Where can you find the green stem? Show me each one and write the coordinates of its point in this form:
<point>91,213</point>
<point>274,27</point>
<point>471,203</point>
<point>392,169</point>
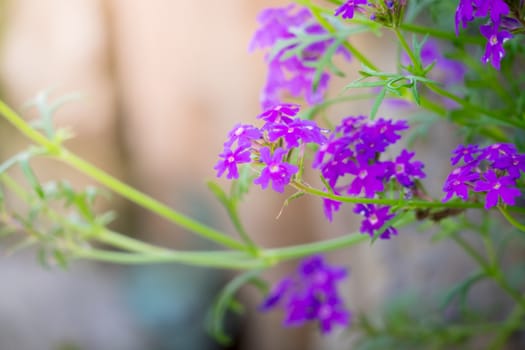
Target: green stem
<point>513,322</point>
<point>439,34</point>
<point>469,106</point>
<point>511,219</point>
<point>405,46</point>
<point>402,203</point>
<point>207,259</point>
<point>473,253</point>
<point>57,151</point>
<point>494,271</point>
<point>302,250</point>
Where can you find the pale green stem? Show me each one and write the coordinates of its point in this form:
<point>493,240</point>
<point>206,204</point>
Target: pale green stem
<point>401,203</point>
<point>511,219</point>
<point>57,151</point>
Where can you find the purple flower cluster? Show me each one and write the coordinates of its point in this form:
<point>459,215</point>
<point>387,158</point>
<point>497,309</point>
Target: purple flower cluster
<point>269,145</point>
<point>498,12</point>
<point>293,74</point>
<point>492,170</point>
<point>348,159</point>
<point>311,295</point>
<point>353,150</point>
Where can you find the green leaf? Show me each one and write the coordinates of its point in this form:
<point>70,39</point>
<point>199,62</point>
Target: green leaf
<point>30,176</point>
<point>461,289</point>
<point>226,301</point>
<point>377,103</point>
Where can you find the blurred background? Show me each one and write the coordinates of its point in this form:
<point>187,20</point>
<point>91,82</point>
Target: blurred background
<point>162,82</point>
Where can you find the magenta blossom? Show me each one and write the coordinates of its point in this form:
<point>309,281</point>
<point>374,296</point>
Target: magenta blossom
<point>278,172</point>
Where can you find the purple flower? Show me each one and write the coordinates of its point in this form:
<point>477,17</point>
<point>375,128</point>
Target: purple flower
<point>494,50</point>
<point>494,8</point>
<point>292,74</point>
<point>348,8</point>
<point>311,294</point>
<point>277,171</point>
<point>230,160</point>
<point>467,153</point>
<point>330,312</point>
<point>305,130</point>
<point>243,134</point>
<point>351,125</point>
<point>405,171</point>
<point>467,10</point>
<point>368,178</point>
<point>329,206</point>
<point>375,219</point>
<point>459,182</point>
<point>275,24</point>
<point>330,147</point>
<point>513,164</point>
<point>497,187</point>
<point>337,166</point>
<point>464,14</point>
<point>280,114</point>
<point>497,151</point>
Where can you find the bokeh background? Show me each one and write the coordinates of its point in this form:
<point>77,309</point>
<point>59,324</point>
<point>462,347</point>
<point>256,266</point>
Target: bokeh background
<point>161,83</point>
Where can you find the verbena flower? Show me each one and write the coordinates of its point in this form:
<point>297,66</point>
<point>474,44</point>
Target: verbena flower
<point>503,187</point>
<point>310,294</point>
<point>292,74</point>
<point>405,170</point>
<point>244,134</point>
<point>459,182</point>
<point>368,179</point>
<point>306,131</point>
<point>355,148</point>
<point>494,50</point>
<point>466,153</point>
<point>375,218</point>
<point>231,160</point>
<point>278,172</point>
<point>513,164</point>
<point>283,113</point>
<point>348,9</point>
<point>496,34</point>
<point>492,170</point>
<point>331,205</point>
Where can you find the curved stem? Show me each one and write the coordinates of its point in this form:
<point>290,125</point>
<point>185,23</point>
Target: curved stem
<point>511,219</point>
<point>147,202</point>
<point>402,203</point>
<point>57,151</point>
<point>207,259</point>
<point>467,105</point>
<point>302,250</point>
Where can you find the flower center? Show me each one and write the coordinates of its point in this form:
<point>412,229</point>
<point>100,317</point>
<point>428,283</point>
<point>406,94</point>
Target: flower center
<point>497,186</point>
<point>291,130</point>
<point>400,168</point>
<point>373,219</point>
<point>274,168</point>
<point>239,131</point>
<point>493,40</point>
<point>362,174</point>
<point>231,159</point>
<point>325,311</point>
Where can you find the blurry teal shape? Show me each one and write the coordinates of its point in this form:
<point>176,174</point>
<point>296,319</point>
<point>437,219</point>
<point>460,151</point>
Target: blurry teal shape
<point>171,302</point>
